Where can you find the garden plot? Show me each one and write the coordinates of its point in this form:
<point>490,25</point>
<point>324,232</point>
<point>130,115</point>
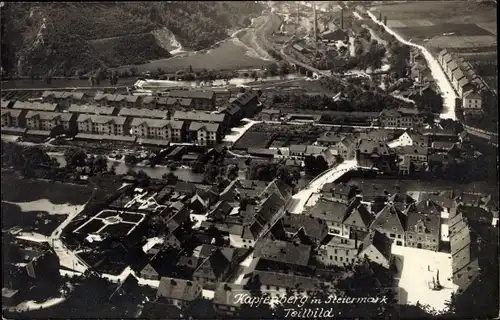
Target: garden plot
<point>462,41</point>
<point>115,222</point>
<point>445,29</point>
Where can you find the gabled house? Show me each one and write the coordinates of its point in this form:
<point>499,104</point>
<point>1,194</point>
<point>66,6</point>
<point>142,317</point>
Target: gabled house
<point>13,118</point>
<point>178,292</point>
<point>149,273</point>
<point>36,106</point>
<point>377,247</point>
<point>417,72</point>
<point>205,134</point>
<point>409,138</point>
<point>270,114</point>
<point>391,222</point>
<point>46,121</point>
<point>277,283</point>
<point>334,213</point>
<point>101,124</point>
<point>339,251</point>
<point>201,99</point>
<point>158,129</point>
<point>401,118</point>
<point>281,254</point>
<point>306,229</point>
<point>358,217</point>
<point>65,99</point>
<point>213,268</point>
<point>92,109</point>
<point>472,102</point>
<point>247,102</point>
<point>339,192</point>
<point>143,113</point>
<point>226,299</point>
<point>423,226</point>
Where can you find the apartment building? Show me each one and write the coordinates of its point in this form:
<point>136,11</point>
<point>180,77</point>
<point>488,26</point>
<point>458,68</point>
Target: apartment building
<point>157,129</point>
<point>46,121</point>
<point>401,118</point>
<point>38,106</point>
<point>64,98</point>
<point>205,134</point>
<point>143,113</point>
<point>108,125</point>
<point>472,102</point>
<point>12,118</point>
<point>117,100</point>
<point>199,99</point>
<point>93,109</point>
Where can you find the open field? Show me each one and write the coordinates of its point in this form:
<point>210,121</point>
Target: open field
<point>462,42</point>
<point>447,24</point>
<point>229,55</point>
<point>439,10</point>
<point>16,189</point>
<point>435,30</point>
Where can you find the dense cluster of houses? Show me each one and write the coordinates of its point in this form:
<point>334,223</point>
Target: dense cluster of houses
<point>404,152</point>
<point>183,117</point>
<point>464,80</point>
<point>25,265</point>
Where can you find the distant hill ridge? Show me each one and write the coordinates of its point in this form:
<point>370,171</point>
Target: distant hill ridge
<point>65,37</point>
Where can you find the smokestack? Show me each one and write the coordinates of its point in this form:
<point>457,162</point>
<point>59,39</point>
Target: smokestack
<point>298,17</point>
<point>315,24</point>
<point>342,18</point>
<point>385,20</point>
<point>380,16</point>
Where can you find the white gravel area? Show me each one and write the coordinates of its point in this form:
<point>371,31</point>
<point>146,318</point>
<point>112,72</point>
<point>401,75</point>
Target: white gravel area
<point>419,267</point>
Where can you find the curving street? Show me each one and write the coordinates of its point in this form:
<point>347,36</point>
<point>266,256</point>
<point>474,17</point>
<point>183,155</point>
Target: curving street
<point>300,199</point>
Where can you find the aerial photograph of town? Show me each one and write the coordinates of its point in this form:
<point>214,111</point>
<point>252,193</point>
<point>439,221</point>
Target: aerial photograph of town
<point>249,160</point>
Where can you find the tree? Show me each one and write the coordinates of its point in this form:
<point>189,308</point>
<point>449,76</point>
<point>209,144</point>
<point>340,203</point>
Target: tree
<point>315,165</point>
<point>75,157</point>
<point>130,159</point>
<point>232,171</point>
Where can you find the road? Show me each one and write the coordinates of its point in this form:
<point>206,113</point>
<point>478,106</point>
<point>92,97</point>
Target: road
<point>67,258</point>
<point>337,125</point>
<point>442,81</point>
<point>300,199</point>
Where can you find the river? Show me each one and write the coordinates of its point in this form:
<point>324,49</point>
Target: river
<point>156,172</point>
<point>145,84</point>
<point>444,85</point>
<point>61,83</point>
<point>156,84</point>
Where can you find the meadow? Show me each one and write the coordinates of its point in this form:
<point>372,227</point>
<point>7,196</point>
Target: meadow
<point>229,55</point>
<point>443,24</point>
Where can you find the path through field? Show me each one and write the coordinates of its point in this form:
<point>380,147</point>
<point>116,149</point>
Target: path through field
<point>442,81</point>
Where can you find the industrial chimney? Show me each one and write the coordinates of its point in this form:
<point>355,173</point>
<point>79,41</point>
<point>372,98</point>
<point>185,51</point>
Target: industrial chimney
<point>342,18</point>
<point>385,20</point>
<point>380,16</point>
<point>315,24</point>
<point>298,17</point>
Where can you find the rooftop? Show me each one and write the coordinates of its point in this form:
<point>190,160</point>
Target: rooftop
<point>281,251</point>
<point>178,289</point>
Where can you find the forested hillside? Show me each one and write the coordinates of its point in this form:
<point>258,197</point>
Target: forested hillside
<point>68,37</point>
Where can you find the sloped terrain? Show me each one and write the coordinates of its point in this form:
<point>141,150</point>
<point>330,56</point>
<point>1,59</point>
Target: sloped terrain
<point>65,37</point>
